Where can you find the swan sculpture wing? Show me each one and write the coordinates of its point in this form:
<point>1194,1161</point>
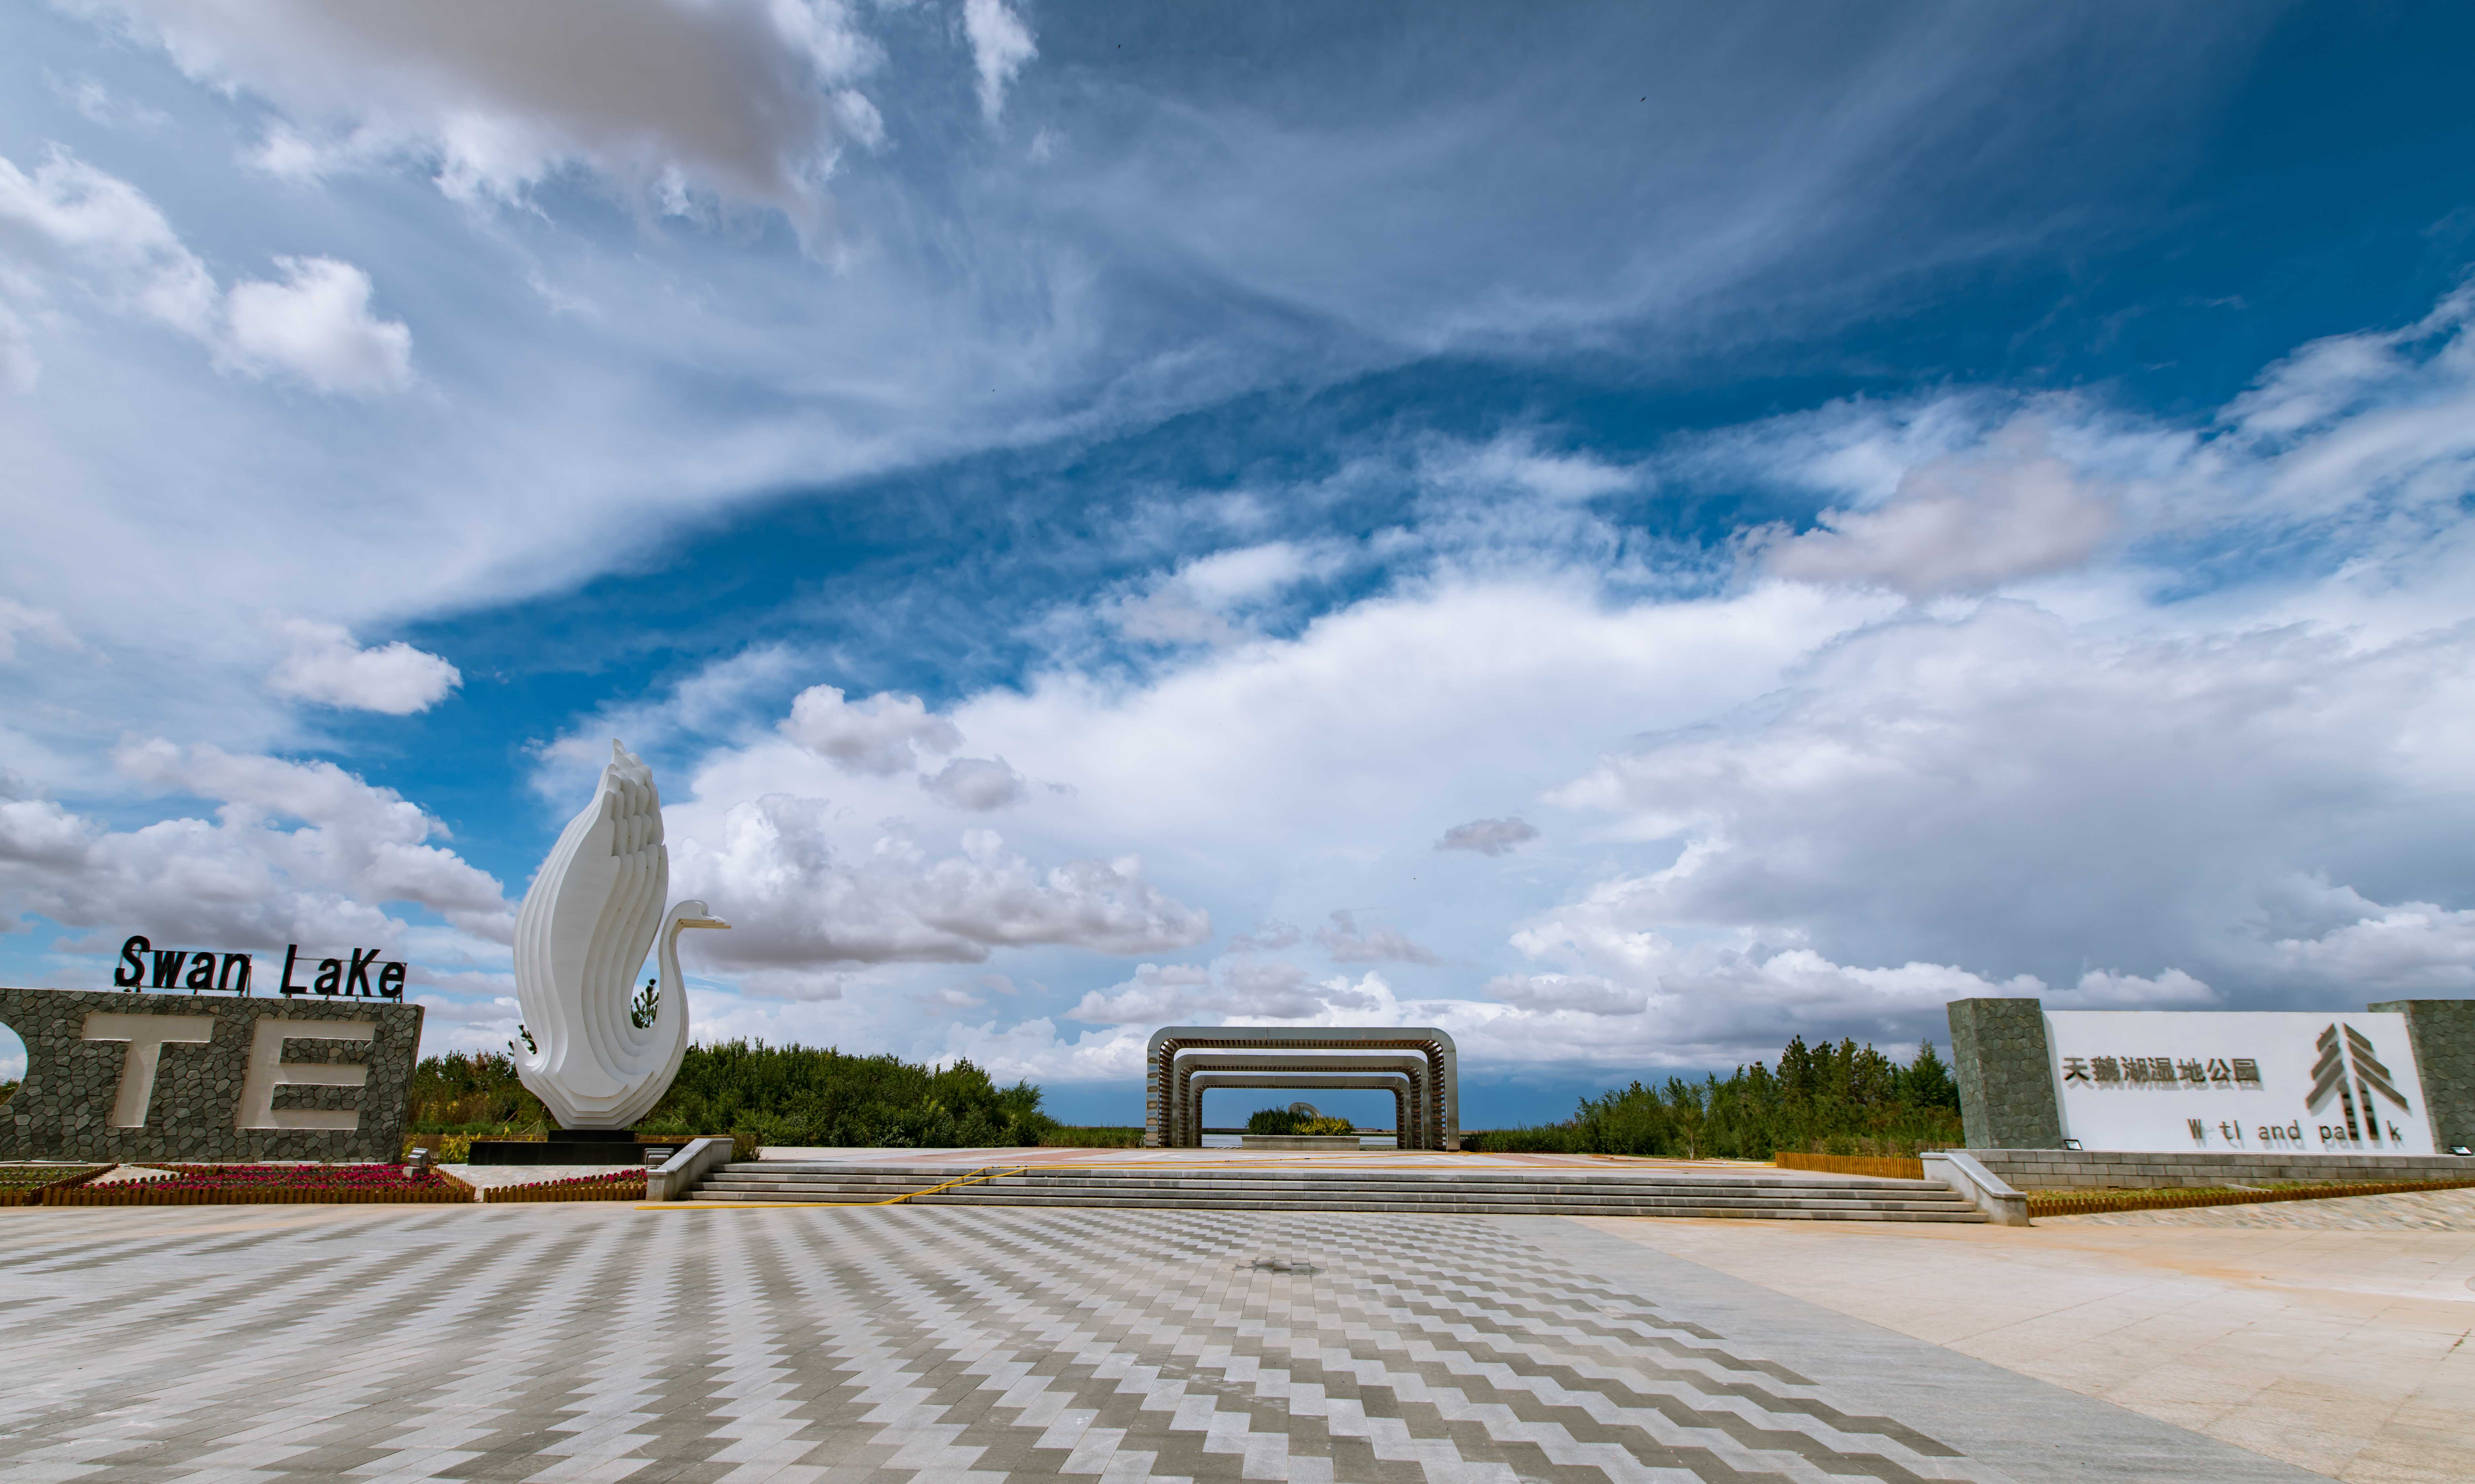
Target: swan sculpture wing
<point>587,922</point>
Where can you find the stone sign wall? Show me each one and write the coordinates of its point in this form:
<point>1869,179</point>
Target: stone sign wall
<point>190,1077</point>
<point>2394,1080</point>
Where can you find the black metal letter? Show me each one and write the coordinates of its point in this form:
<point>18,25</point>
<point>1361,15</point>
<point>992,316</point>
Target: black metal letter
<point>391,980</point>
<point>357,980</point>
<point>133,953</point>
<point>292,956</point>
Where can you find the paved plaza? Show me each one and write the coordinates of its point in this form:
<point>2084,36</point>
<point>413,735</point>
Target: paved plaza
<point>2332,1334</point>
<point>605,1342</point>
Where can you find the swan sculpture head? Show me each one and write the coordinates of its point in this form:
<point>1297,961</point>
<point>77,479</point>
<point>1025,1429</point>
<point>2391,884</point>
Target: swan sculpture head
<point>591,914</point>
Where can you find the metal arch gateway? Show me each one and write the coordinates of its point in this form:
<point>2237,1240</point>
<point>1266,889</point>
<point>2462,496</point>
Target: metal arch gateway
<point>1440,1112</point>
<point>1185,1125</point>
<point>1404,1096</point>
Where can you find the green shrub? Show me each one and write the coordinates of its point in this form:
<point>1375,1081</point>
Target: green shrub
<point>1549,1139</point>
<point>760,1095</point>
<point>1272,1120</point>
<point>801,1095</point>
<point>473,1093</point>
<point>1326,1124</point>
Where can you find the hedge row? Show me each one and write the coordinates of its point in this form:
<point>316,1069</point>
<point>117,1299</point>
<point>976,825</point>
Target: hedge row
<point>1888,1168</point>
<point>586,1188</point>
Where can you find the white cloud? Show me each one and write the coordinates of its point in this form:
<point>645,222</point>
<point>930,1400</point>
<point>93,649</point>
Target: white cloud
<point>317,325</point>
<point>1586,993</point>
<point>20,368</point>
<point>1195,603</point>
<point>327,667</point>
<point>1348,942</point>
<point>745,100</point>
<point>1001,46</point>
<point>1957,526</point>
<point>295,852</point>
<point>1236,991</point>
<point>977,784</point>
<point>41,624</point>
<point>1515,462</point>
<point>1488,837</point>
<point>2414,949</point>
<point>883,734</point>
<point>797,901</point>
<point>1266,939</point>
<point>1997,789</point>
<point>72,219</point>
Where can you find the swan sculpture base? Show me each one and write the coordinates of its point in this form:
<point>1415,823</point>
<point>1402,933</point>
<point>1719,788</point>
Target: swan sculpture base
<point>569,1146</point>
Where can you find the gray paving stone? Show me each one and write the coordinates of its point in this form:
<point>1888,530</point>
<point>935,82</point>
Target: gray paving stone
<point>601,1343</point>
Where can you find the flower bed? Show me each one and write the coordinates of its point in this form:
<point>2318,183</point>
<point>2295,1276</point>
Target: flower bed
<point>24,1184</point>
<point>616,1185</point>
<point>274,1184</point>
<point>2107,1203</point>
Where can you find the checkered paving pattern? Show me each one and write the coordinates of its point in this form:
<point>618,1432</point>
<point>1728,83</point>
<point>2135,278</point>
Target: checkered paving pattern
<point>593,1342</point>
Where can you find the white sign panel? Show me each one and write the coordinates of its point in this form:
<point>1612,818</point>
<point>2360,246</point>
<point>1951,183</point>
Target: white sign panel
<point>2261,1083</point>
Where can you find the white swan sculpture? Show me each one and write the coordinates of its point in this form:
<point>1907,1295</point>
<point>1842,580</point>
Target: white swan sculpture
<point>580,936</point>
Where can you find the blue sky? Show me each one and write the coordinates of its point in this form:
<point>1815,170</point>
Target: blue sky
<point>1626,532</point>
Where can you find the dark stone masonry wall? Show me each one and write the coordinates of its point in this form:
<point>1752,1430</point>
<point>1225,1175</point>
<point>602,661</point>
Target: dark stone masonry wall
<point>64,1109</point>
<point>2005,1073</point>
<point>2443,1033</point>
<point>2075,1169</point>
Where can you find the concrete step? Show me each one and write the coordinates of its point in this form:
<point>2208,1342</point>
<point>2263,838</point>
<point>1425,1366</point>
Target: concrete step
<point>1823,1198</point>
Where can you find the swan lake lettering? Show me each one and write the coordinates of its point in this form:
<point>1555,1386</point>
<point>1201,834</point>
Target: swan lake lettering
<point>360,976</point>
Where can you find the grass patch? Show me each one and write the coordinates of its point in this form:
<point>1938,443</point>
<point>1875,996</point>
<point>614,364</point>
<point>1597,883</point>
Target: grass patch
<point>1063,1136</point>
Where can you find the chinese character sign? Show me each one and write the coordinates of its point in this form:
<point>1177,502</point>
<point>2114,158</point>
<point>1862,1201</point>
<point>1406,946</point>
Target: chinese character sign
<point>2264,1083</point>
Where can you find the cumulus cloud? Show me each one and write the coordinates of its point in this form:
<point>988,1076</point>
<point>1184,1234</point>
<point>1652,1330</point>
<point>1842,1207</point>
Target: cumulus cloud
<point>883,734</point>
<point>317,325</point>
<point>1488,837</point>
<point>70,221</point>
<point>797,901</point>
<point>978,784</point>
<point>295,852</point>
<point>1001,46</point>
<point>1348,942</point>
<point>327,667</point>
<point>2000,788</point>
<point>2414,948</point>
<point>1956,525</point>
<point>75,220</point>
<point>1234,991</point>
<point>744,100</point>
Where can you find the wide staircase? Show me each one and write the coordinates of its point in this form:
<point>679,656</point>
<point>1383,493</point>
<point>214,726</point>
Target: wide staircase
<point>1784,1196</point>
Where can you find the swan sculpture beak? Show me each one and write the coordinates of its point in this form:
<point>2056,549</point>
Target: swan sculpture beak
<point>702,922</point>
